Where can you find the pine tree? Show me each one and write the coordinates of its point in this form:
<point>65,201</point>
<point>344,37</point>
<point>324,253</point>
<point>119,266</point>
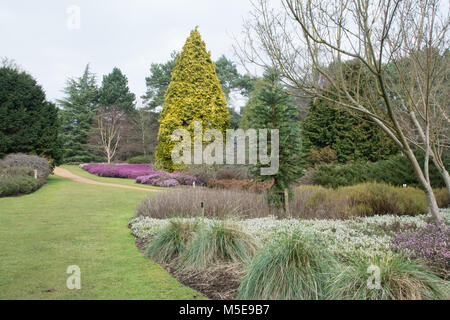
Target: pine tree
<point>77,114</point>
<point>194,94</point>
<point>244,121</point>
<point>272,108</point>
<point>158,81</point>
<point>28,123</point>
<point>114,92</point>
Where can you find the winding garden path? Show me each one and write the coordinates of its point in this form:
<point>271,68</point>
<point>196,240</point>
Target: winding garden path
<point>69,175</point>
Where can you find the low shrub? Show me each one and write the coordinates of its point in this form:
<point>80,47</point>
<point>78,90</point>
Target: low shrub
<point>171,241</point>
<point>165,179</point>
<point>186,202</point>
<point>22,160</point>
<point>232,172</point>
<point>430,244</point>
<point>244,184</point>
<point>15,181</point>
<point>361,200</point>
<point>208,173</point>
<point>141,159</point>
<point>292,267</point>
<point>395,171</point>
<point>369,199</point>
<point>442,197</point>
<point>309,202</point>
<point>219,242</point>
<point>399,279</point>
<point>155,179</point>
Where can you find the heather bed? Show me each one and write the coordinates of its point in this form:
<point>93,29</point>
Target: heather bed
<point>372,234</point>
<point>142,173</point>
<point>410,251</point>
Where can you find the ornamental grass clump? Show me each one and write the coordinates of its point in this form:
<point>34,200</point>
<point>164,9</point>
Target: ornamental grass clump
<point>218,242</point>
<point>293,266</point>
<point>430,244</point>
<point>171,241</point>
<point>399,279</point>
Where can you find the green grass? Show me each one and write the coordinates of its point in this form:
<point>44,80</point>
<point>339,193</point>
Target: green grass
<point>68,223</point>
<point>126,182</point>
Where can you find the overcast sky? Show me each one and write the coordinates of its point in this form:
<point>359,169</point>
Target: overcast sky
<point>129,34</point>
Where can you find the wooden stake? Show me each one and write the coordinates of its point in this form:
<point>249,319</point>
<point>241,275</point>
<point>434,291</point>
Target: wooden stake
<point>286,202</point>
<point>203,212</point>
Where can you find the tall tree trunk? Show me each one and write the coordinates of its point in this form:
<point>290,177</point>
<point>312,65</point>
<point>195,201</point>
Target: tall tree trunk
<point>431,199</point>
<point>426,167</point>
<point>444,173</point>
<point>438,164</point>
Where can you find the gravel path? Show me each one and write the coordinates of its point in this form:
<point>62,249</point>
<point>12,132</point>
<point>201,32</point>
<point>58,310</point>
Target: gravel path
<point>69,175</point>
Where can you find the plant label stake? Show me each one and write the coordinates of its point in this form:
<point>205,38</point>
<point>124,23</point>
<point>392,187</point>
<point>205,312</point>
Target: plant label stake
<point>193,184</point>
<point>35,173</point>
<point>203,212</point>
<point>286,202</point>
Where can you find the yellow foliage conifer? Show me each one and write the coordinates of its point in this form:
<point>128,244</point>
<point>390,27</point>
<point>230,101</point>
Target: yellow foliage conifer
<point>194,94</point>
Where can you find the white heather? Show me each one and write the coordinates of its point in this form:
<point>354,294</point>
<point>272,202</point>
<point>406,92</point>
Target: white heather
<point>368,234</point>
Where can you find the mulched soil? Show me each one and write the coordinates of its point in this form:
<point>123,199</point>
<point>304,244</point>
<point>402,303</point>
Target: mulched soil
<point>217,283</point>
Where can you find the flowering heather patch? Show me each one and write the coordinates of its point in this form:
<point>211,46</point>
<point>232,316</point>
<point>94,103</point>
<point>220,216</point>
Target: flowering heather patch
<point>131,171</point>
<point>185,179</point>
<point>430,243</point>
<point>153,178</point>
<point>143,173</point>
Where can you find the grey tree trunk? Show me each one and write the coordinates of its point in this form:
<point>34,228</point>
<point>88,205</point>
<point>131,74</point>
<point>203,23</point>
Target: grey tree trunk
<point>444,173</point>
<point>431,199</point>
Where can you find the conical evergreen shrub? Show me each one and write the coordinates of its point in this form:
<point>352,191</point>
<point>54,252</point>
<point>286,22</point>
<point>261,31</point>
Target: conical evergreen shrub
<point>194,94</point>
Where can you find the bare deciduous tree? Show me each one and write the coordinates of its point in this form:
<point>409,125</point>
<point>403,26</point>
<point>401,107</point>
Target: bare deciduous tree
<point>109,122</point>
<point>396,46</point>
<point>146,125</point>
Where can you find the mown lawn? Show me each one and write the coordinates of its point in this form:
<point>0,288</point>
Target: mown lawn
<point>69,223</point>
<point>127,182</point>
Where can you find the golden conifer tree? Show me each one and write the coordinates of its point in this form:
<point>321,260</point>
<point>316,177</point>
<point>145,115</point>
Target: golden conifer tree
<point>194,94</point>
